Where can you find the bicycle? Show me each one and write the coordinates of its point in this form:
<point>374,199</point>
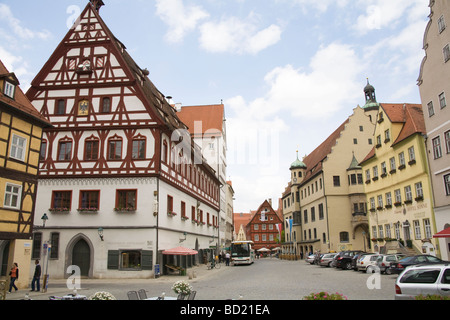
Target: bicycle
<point>214,264</point>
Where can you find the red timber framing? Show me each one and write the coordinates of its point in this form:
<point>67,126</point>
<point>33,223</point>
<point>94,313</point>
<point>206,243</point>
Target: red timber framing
<point>91,90</point>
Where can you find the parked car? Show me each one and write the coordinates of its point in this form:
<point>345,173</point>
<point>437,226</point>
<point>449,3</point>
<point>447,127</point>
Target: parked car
<point>355,259</point>
<point>398,267</point>
<point>428,279</point>
<point>344,260</point>
<point>385,260</point>
<point>367,262</point>
<point>327,259</point>
<point>310,259</point>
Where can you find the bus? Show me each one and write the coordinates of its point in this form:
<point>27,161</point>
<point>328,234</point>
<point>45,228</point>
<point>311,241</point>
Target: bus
<point>242,252</point>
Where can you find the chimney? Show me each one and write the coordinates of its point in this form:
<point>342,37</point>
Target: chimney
<point>270,201</point>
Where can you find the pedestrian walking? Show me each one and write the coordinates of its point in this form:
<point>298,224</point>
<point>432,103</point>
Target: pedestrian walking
<point>227,258</point>
<point>14,274</point>
<point>35,283</point>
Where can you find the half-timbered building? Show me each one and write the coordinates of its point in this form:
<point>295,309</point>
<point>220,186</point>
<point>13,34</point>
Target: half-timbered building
<point>120,179</point>
<point>21,128</point>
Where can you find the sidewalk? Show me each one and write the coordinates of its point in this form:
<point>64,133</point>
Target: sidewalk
<point>118,287</point>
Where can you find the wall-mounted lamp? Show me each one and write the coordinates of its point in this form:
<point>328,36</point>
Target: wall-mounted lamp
<point>183,239</point>
<point>100,233</point>
<point>44,219</point>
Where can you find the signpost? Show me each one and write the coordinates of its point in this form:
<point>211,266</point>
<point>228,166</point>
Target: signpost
<point>47,248</point>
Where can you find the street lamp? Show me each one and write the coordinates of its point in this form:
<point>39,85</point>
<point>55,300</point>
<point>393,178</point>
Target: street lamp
<point>44,219</point>
<point>100,233</point>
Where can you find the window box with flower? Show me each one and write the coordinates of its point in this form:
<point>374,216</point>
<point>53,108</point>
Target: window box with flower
<point>171,213</point>
<point>125,210</point>
<point>59,210</point>
<point>184,218</point>
<point>88,210</point>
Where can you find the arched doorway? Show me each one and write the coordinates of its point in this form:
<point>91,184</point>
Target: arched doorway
<point>81,257</point>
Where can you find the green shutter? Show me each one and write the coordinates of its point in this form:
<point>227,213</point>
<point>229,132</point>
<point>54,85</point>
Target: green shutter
<point>147,260</point>
<point>113,259</point>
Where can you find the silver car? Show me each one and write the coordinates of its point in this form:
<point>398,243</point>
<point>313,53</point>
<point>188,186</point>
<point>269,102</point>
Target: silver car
<point>430,279</point>
<point>384,261</point>
<point>327,259</point>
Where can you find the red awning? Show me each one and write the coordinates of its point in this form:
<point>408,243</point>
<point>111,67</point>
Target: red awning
<point>180,251</point>
<point>443,234</point>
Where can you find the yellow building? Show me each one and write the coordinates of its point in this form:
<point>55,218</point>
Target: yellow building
<point>21,128</point>
<point>397,182</point>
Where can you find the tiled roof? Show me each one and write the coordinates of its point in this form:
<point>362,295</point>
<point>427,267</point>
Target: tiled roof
<point>211,117</point>
<point>314,160</point>
<point>411,115</point>
<point>20,101</point>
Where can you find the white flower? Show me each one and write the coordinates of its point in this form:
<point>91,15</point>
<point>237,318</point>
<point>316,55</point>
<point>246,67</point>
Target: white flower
<point>182,287</point>
<point>102,296</point>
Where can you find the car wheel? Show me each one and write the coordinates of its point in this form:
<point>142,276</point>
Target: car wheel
<point>370,269</point>
<point>388,271</point>
<point>348,266</point>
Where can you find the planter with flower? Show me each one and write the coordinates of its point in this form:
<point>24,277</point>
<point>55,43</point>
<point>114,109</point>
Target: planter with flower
<point>171,214</point>
<point>182,287</point>
<point>125,210</point>
<point>87,210</point>
<point>102,296</point>
<point>59,210</point>
<point>325,296</point>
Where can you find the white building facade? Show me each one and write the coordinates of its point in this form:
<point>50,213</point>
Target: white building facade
<point>115,181</point>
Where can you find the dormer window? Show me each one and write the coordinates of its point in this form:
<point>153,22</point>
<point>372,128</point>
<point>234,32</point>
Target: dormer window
<point>9,89</point>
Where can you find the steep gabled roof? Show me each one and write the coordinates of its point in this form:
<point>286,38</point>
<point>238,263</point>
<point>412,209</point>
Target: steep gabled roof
<point>314,160</point>
<point>211,117</point>
<point>155,101</point>
<point>410,115</point>
<point>20,102</point>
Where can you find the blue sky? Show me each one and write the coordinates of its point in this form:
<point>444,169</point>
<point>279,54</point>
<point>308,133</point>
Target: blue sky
<point>288,71</point>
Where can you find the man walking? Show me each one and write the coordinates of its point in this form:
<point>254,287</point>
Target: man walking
<point>227,258</point>
<point>36,277</point>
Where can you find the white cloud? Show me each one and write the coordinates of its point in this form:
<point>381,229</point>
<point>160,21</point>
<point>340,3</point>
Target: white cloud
<point>234,35</point>
<point>387,13</point>
<point>7,17</point>
<point>181,19</point>
<point>332,81</point>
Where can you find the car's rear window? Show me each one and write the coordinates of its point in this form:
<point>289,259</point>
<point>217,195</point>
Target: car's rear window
<point>420,276</point>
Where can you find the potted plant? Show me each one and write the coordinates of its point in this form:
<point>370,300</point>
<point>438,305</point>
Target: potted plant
<point>182,287</point>
<point>325,296</point>
<point>102,295</point>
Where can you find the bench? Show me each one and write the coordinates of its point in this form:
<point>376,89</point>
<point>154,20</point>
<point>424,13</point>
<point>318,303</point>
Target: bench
<point>175,268</point>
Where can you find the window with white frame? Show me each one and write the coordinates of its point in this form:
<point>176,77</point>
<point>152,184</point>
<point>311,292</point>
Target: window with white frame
<point>430,109</point>
<point>398,196</point>
<point>9,89</point>
<point>427,225</point>
<point>419,190</point>
<point>437,151</point>
<point>446,51</point>
<point>374,232</point>
<point>408,193</point>
<point>392,163</point>
<point>387,227</point>
<point>388,199</point>
<point>380,201</point>
<point>447,184</point>
<point>412,154</point>
<point>441,24</point>
<point>397,231</point>
<point>442,101</point>
<point>13,194</point>
<point>401,158</point>
<point>447,141</point>
<point>380,230</point>
<point>18,146</point>
<point>417,232</point>
<point>372,203</point>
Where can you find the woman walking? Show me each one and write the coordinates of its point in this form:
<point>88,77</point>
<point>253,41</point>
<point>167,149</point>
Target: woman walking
<point>14,273</point>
